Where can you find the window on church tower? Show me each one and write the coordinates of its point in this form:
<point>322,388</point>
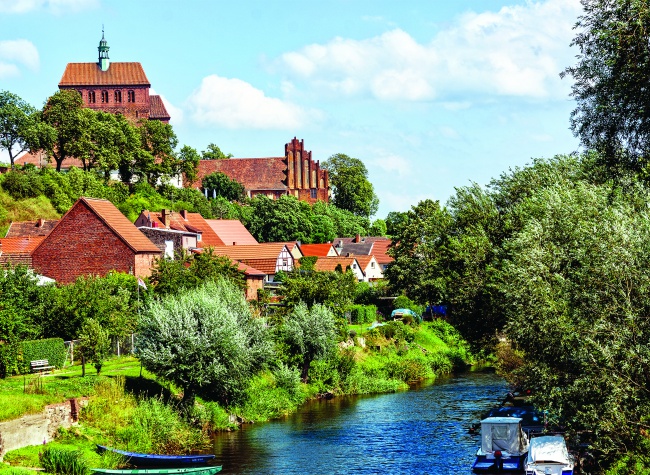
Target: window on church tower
<point>104,97</point>
<point>131,96</point>
<point>91,97</point>
<point>118,96</point>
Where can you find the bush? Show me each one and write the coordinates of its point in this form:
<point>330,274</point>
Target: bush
<point>50,349</point>
<point>362,313</point>
<point>397,330</point>
<point>64,462</point>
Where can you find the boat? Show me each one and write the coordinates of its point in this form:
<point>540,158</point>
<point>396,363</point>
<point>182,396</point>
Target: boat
<point>504,446</point>
<point>159,471</point>
<point>548,455</point>
<point>150,460</point>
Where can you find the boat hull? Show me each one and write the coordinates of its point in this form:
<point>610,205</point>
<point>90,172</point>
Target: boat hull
<point>506,464</point>
<point>159,471</point>
<point>156,460</point>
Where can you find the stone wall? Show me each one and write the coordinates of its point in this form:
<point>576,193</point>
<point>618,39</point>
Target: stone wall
<point>37,429</point>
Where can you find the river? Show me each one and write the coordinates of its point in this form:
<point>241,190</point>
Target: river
<point>421,431</point>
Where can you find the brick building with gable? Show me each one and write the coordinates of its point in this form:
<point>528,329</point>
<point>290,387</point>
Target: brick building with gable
<point>295,174</point>
<point>118,88</point>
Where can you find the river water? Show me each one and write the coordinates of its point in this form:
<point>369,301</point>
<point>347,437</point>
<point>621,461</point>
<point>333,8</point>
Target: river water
<point>421,431</point>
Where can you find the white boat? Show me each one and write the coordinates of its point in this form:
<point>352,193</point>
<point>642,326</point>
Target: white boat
<point>548,455</point>
<point>503,446</point>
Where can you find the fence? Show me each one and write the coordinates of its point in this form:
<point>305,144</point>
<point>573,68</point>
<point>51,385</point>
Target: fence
<point>125,346</point>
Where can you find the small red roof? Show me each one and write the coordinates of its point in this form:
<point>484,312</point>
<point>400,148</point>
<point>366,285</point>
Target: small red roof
<point>328,264</point>
<point>182,221</point>
<point>40,227</point>
<point>20,245</point>
<point>231,232</point>
<point>90,74</point>
<point>320,250</point>
<point>157,109</point>
<point>40,160</point>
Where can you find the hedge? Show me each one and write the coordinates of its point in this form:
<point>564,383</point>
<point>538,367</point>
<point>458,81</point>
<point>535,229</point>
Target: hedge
<point>50,349</point>
<point>363,313</point>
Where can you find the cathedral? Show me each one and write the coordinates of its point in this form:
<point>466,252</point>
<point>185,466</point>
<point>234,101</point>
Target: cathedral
<point>118,88</point>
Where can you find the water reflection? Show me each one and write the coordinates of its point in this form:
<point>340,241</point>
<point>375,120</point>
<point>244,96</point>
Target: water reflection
<point>424,430</point>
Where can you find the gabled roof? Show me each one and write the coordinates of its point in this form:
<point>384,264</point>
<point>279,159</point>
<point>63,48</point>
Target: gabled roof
<point>269,250</point>
<point>254,173</point>
<point>354,249</point>
<point>40,227</point>
<point>376,246</point>
<point>364,261</point>
<point>20,245</point>
<point>118,223</point>
<point>231,232</point>
<point>192,222</point>
<point>328,264</point>
<point>90,74</point>
<point>320,250</point>
<point>157,109</point>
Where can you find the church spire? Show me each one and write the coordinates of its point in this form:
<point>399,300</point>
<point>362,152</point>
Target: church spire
<point>103,53</point>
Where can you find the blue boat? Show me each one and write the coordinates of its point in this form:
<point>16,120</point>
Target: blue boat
<point>156,460</point>
<point>503,446</point>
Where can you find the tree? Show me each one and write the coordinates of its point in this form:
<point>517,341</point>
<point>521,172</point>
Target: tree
<point>94,343</point>
<point>219,184</point>
<point>612,113</point>
<point>378,228</point>
<point>352,190</point>
<point>19,125</point>
<point>310,334</point>
<point>285,219</point>
<point>63,114</point>
<point>205,341</point>
<point>156,160</point>
<point>214,153</point>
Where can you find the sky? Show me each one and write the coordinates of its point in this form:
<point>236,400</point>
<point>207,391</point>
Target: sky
<point>431,95</point>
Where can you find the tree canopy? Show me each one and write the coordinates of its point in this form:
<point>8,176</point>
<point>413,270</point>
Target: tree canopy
<point>20,127</point>
<point>352,189</point>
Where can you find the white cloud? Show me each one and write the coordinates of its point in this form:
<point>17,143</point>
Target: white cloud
<point>390,162</point>
<point>17,53</point>
<point>517,51</point>
<point>233,103</point>
<point>54,6</point>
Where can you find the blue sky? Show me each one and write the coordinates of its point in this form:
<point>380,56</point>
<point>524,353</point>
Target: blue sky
<point>430,95</point>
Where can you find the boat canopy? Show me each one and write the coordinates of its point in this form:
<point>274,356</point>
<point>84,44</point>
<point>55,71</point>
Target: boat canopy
<point>548,448</point>
<point>503,433</point>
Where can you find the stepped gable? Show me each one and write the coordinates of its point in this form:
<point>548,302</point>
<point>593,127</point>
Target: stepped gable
<point>40,227</point>
<point>91,74</point>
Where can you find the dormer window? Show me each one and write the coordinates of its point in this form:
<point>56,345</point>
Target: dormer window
<point>118,96</point>
<point>104,97</point>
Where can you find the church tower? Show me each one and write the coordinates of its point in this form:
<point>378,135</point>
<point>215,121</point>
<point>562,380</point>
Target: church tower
<point>103,53</point>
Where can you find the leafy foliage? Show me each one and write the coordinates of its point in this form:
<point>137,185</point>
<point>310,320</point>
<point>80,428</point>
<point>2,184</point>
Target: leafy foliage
<point>94,343</point>
<point>352,189</point>
<point>205,341</point>
<point>218,184</point>
<point>50,349</point>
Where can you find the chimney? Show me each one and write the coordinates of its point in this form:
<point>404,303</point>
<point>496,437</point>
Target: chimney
<point>234,243</point>
<point>357,238</point>
<point>184,214</point>
<point>40,223</point>
<point>164,217</point>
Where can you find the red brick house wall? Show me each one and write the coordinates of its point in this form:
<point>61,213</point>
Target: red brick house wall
<point>82,244</point>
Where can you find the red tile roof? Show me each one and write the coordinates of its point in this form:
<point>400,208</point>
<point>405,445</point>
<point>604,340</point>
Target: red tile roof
<point>231,231</point>
<point>192,222</point>
<point>40,227</point>
<point>328,264</point>
<point>39,159</point>
<point>320,250</point>
<point>371,245</point>
<point>90,74</point>
<point>263,257</point>
<point>254,173</point>
<point>157,109</point>
<point>119,224</point>
<point>20,245</point>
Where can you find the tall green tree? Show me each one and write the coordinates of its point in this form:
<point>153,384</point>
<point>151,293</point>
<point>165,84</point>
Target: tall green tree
<point>63,113</point>
<point>213,152</point>
<point>352,189</point>
<point>610,82</point>
<point>156,158</point>
<point>20,128</point>
<point>205,341</point>
<point>94,343</point>
<point>219,184</point>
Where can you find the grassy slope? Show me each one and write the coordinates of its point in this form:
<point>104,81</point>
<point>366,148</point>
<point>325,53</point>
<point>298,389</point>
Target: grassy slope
<point>29,209</point>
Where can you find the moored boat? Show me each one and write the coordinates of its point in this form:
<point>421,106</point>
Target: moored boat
<point>503,446</point>
<point>151,460</point>
<point>548,455</point>
<point>159,471</point>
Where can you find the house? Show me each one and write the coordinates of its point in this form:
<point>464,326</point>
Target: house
<point>318,250</point>
<point>268,258</point>
<point>295,248</point>
<point>169,241</point>
<point>365,246</point>
<point>330,264</point>
<point>93,237</point>
<point>117,88</point>
<point>294,174</point>
<point>180,221</point>
<point>40,227</point>
<point>231,232</point>
<point>18,250</point>
<point>370,268</point>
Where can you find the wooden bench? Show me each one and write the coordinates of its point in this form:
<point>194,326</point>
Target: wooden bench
<point>40,366</point>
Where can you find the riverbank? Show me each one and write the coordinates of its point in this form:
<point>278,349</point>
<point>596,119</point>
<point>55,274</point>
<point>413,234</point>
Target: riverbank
<point>138,412</point>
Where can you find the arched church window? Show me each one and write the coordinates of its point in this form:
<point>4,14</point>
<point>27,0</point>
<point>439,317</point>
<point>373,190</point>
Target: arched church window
<point>91,97</point>
<point>104,97</point>
<point>118,96</point>
<point>131,96</point>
